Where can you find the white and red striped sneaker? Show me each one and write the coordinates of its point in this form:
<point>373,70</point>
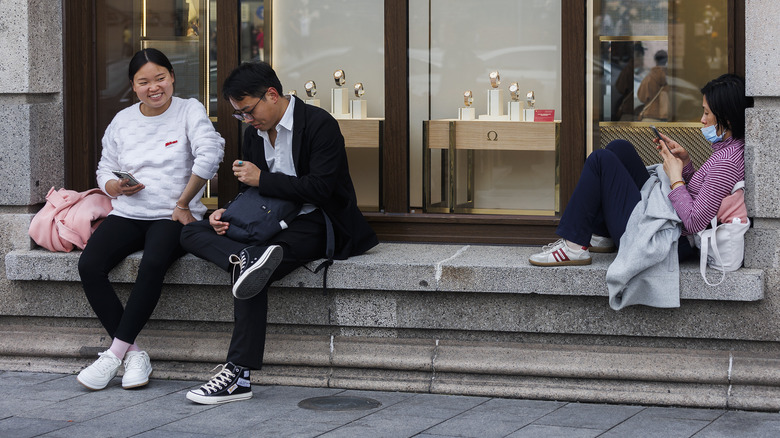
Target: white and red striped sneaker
<point>560,254</point>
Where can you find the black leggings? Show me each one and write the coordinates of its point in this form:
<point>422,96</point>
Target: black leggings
<point>112,242</point>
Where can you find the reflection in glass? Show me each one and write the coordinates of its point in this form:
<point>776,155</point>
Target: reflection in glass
<point>184,30</point>
<point>252,37</point>
<point>649,61</point>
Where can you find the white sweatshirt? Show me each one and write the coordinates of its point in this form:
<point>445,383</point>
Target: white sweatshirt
<point>162,152</point>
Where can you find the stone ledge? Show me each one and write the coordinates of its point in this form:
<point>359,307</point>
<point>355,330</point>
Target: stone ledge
<point>592,373</point>
<point>411,267</point>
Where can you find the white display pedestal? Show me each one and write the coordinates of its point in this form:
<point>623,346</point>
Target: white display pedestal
<point>528,115</point>
<point>339,103</point>
<point>495,106</point>
<point>515,111</point>
<point>467,114</point>
<point>313,102</point>
<point>358,108</point>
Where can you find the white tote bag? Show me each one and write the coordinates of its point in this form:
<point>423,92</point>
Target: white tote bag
<point>723,246</point>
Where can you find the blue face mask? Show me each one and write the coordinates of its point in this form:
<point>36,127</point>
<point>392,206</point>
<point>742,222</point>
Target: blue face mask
<point>711,134</point>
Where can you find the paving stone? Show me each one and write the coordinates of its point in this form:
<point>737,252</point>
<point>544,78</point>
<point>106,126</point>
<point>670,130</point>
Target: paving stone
<point>591,416</point>
<point>389,427</point>
<point>541,431</point>
<point>19,427</point>
<point>649,426</point>
<point>483,422</point>
<point>752,424</point>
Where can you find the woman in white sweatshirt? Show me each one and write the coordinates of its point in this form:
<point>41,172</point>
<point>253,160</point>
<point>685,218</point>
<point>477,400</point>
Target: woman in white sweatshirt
<point>169,148</point>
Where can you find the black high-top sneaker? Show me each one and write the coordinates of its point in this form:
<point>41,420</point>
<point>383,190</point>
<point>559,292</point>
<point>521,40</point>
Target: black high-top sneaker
<point>252,268</point>
<point>230,384</point>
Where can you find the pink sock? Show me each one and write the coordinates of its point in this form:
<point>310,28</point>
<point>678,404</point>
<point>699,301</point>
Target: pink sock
<point>119,348</point>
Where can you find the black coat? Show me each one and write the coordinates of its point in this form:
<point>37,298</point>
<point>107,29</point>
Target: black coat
<point>323,176</point>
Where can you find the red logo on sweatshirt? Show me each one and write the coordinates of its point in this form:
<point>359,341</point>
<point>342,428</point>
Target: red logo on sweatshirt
<point>171,142</point>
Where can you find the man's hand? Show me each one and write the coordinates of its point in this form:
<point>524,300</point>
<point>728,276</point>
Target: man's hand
<point>246,172</point>
<point>219,226</point>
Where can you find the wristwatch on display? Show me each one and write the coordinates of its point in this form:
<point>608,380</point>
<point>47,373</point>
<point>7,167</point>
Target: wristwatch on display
<point>495,80</point>
<point>339,77</point>
<point>359,91</point>
<point>514,91</point>
<point>468,98</point>
<point>311,88</point>
<point>530,99</point>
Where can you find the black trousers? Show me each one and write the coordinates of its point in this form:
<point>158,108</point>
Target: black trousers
<point>112,242</point>
<point>302,242</point>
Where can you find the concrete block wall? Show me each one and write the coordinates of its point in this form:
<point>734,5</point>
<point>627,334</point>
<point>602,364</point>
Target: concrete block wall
<point>31,134</point>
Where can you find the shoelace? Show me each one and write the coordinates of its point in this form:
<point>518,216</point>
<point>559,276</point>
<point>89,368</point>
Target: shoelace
<point>105,363</point>
<point>219,381</point>
<point>549,247</point>
<point>134,361</point>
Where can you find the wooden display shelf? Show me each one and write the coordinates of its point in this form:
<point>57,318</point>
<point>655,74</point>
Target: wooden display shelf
<point>494,135</point>
<point>362,133</point>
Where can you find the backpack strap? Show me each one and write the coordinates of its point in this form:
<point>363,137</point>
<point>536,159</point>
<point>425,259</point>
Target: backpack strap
<point>330,249</point>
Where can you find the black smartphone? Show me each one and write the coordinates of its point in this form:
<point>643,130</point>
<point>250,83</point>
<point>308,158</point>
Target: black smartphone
<point>658,136</point>
<point>121,174</point>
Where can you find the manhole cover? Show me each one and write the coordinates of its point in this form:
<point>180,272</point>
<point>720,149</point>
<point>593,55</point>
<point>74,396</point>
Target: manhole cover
<point>339,403</point>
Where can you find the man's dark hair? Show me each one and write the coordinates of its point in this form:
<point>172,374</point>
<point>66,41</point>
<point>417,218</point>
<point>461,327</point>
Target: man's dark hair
<point>727,101</point>
<point>250,79</point>
<point>145,56</point>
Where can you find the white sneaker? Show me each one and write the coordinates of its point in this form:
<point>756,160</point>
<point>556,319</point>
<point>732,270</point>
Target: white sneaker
<point>560,254</point>
<point>601,244</point>
<point>97,375</point>
<point>138,368</point>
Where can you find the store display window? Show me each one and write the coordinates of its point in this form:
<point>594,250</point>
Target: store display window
<point>485,104</point>
<point>330,53</point>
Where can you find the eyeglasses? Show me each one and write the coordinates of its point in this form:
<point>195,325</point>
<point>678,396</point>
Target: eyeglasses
<point>247,116</point>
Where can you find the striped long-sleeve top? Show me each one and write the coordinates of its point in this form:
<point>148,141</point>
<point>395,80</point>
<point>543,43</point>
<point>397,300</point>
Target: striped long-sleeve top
<point>698,201</point>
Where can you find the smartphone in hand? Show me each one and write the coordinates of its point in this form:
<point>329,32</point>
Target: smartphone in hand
<point>658,136</point>
<point>121,174</point>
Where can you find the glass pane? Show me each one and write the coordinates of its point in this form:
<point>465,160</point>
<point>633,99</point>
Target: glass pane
<point>649,61</point>
<point>175,28</point>
<point>310,41</point>
<point>252,39</point>
<point>454,46</point>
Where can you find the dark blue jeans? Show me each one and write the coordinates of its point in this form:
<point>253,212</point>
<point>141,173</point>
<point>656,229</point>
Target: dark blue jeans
<point>605,196</point>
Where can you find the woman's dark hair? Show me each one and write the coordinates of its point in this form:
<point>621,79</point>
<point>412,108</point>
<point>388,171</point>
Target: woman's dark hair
<point>726,99</point>
<point>250,79</point>
<point>144,56</point>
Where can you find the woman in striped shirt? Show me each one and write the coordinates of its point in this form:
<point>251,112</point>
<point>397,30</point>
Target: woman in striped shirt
<point>610,184</point>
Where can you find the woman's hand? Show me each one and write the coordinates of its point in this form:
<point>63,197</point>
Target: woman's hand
<point>673,166</point>
<point>215,222</point>
<point>117,187</point>
<point>675,148</point>
<point>182,216</point>
<point>247,173</point>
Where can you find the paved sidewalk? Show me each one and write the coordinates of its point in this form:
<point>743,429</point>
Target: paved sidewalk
<point>55,405</point>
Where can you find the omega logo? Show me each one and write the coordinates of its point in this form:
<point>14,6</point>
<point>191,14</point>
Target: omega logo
<point>492,136</point>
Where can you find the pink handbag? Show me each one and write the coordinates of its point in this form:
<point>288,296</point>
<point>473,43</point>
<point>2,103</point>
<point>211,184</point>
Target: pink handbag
<point>68,218</point>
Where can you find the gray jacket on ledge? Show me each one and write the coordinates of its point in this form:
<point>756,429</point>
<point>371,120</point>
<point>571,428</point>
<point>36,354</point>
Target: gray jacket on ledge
<point>646,269</point>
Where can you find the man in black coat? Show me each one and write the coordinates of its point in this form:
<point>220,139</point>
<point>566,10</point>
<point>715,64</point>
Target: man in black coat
<point>291,151</point>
